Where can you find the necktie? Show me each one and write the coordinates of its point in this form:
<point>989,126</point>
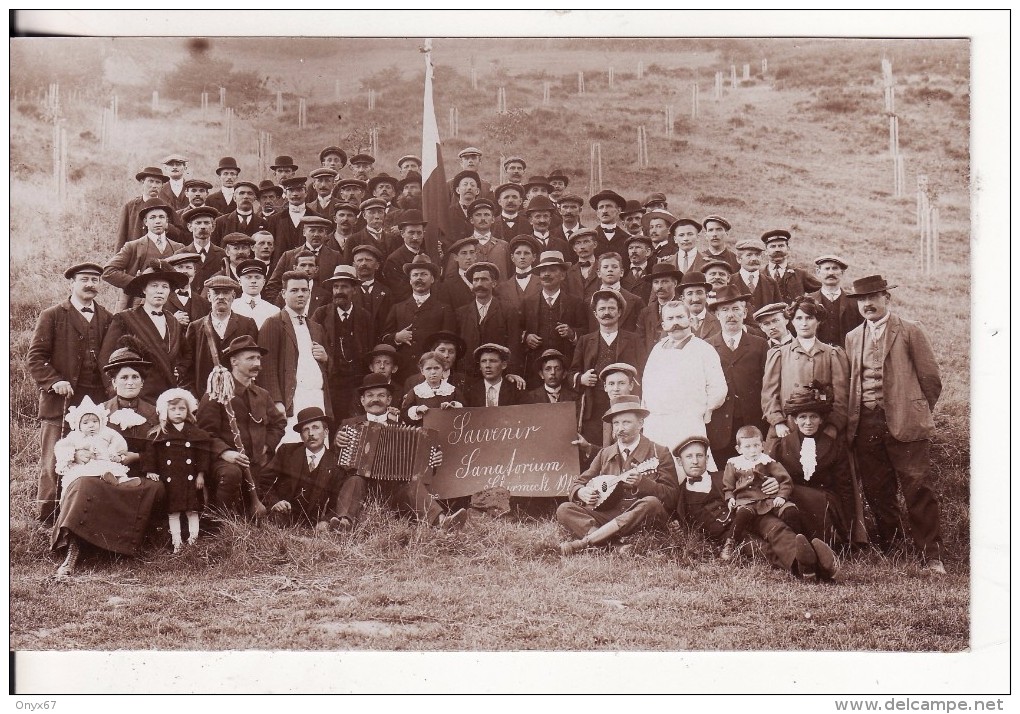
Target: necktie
<point>483,310</point>
<point>637,272</point>
<point>311,462</point>
<point>626,457</point>
<point>244,220</point>
<point>554,397</point>
<point>753,281</point>
<point>252,303</point>
<point>367,289</point>
<point>491,396</point>
<point>202,254</point>
<point>160,245</point>
<point>343,317</point>
<point>732,343</point>
<point>687,263</point>
<point>584,263</point>
<point>300,319</point>
<point>87,309</point>
<point>777,273</point>
<point>550,301</point>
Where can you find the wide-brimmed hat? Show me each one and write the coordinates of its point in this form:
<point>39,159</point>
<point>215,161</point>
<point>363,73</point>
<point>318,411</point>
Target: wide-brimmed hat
<point>727,294</point>
<point>623,404</point>
<point>154,204</point>
<point>382,177</point>
<point>333,150</point>
<point>227,162</point>
<point>507,187</point>
<point>492,269</point>
<point>868,286</point>
<point>695,439</point>
<point>126,357</point>
<point>610,196</point>
<point>374,380</point>
<point>663,270</point>
<point>693,279</point>
<point>422,261</point>
<point>435,338</point>
<point>343,272</point>
<point>813,397</point>
<point>411,217</point>
<point>191,213</point>
<point>684,221</point>
<point>310,414</point>
<point>632,207</point>
<point>718,219</point>
<point>283,162</point>
<point>469,151</point>
<point>646,220</point>
<point>268,185</point>
<point>467,173</point>
<point>551,354</point>
<point>503,352</point>
<point>832,258</point>
<point>152,172</point>
<point>157,270</point>
<point>552,259</point>
<point>83,268</point>
<point>222,282</point>
<point>540,203</point>
<point>559,174</point>
<point>615,367</point>
<point>779,234</point>
<point>537,181</point>
<point>244,343</point>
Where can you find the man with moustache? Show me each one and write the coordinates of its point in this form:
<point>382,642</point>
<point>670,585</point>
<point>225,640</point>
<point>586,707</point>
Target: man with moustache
<point>314,230</point>
<point>372,294</point>
<point>750,278</point>
<point>717,230</point>
<point>717,273</point>
<point>455,288</point>
<point>558,182</point>
<point>172,192</point>
<point>509,222</point>
<point>187,304</point>
<point>408,163</point>
<point>487,319</point>
<point>639,258</point>
<point>270,195</point>
<point>373,212</point>
<point>252,277</point>
<point>308,263</point>
<point>552,369</point>
<point>351,190</point>
<point>409,191</point>
<point>412,232</point>
<point>466,187</point>
<point>361,166</point>
<point>610,273</point>
<point>411,321</point>
<point>222,199</point>
<point>200,222</point>
<point>694,294</point>
<point>136,254</point>
<point>322,202</point>
<point>243,218</point>
<point>631,217</point>
<point>841,309</point>
<point>490,248</point>
<point>793,282</point>
<point>227,326</point>
<point>742,355</point>
<point>345,217</point>
<point>195,193</point>
<point>655,202</point>
<point>582,274</point>
<point>470,160</point>
<point>570,205</point>
<point>384,187</point>
<point>283,168</point>
<point>683,380</point>
<point>540,215</point>
<point>553,319</point>
<point>609,235</point>
<point>285,225</point>
<point>349,336</point>
<point>655,225</point>
<point>237,247</point>
<point>773,322</point>
<point>684,232</point>
<point>130,225</point>
<point>263,250</point>
<point>663,279</point>
<point>514,168</point>
<point>63,359</point>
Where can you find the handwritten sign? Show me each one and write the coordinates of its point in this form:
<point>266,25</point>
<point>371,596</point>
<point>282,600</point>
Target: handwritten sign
<point>525,449</point>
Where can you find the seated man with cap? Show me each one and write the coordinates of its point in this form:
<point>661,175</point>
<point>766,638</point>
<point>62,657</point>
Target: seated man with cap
<point>252,277</point>
<point>237,247</point>
<point>521,282</point>
<point>63,359</point>
<point>187,304</point>
<point>131,225</point>
<point>701,504</point>
<point>243,219</point>
<point>509,197</point>
<point>717,231</point>
<point>222,199</point>
<point>172,192</point>
<point>199,222</point>
<point>304,482</point>
<point>199,341</point>
<point>486,318</point>
<point>245,430</point>
<point>645,492</point>
<point>136,254</point>
<point>322,202</point>
<point>349,335</point>
<point>663,279</point>
<point>553,319</point>
<point>285,224</point>
<point>793,282</point>
<point>552,370</point>
<point>751,278</point>
<point>376,397</point>
<point>841,309</point>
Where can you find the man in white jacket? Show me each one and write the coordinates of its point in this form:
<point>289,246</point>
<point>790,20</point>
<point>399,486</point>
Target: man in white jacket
<point>683,381</point>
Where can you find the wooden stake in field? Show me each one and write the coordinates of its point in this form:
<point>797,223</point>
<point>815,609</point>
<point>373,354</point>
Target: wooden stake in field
<point>899,173</point>
<point>205,104</point>
<point>454,121</point>
<point>747,72</point>
<point>373,137</point>
<point>642,146</point>
<point>228,127</point>
<point>60,161</point>
<point>546,92</point>
<point>53,98</point>
<point>302,120</point>
<point>718,86</point>
<point>580,82</point>
<point>669,121</point>
<point>640,70</point>
<point>264,152</point>
<point>104,129</point>
<point>764,66</point>
<point>610,77</point>
<point>733,75</point>
<point>223,97</point>
<point>695,108</point>
<point>474,78</point>
<point>116,109</point>
<point>502,171</point>
<point>595,169</point>
<point>279,103</point>
<point>336,91</point>
<point>501,101</point>
<point>927,226</point>
<point>155,101</point>
<point>371,99</point>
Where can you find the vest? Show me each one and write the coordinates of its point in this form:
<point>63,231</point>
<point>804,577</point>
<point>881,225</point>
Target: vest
<point>871,369</point>
<point>90,377</point>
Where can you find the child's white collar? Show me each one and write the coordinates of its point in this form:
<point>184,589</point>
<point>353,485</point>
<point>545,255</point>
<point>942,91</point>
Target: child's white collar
<point>423,390</point>
<point>745,464</point>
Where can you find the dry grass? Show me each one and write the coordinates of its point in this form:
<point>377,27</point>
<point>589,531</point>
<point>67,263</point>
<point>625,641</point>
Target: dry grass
<point>776,153</point>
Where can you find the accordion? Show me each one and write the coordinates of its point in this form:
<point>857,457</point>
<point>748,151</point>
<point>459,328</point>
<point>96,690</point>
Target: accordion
<point>388,453</point>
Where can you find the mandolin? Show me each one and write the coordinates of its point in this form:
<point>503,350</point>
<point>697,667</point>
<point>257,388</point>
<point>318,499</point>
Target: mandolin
<point>605,485</point>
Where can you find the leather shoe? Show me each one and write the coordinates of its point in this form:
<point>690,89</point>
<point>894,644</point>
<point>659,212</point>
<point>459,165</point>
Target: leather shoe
<point>807,561</point>
<point>826,560</point>
<point>573,547</point>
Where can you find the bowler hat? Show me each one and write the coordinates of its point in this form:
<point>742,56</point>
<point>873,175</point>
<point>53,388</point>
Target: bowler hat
<point>322,172</point>
<point>684,222</point>
<point>237,238</point>
<point>154,204</point>
<point>663,270</point>
<point>727,294</point>
<point>412,177</point>
<point>770,309</point>
<point>480,203</point>
<point>693,279</point>
<point>718,219</point>
<point>695,439</point>
<point>751,244</point>
<point>362,159</point>
<point>374,380</point>
<point>467,173</point>
<point>251,266</point>
<point>156,270</point>
<point>646,220</point>
<point>830,258</point>
<point>227,162</point>
<point>444,336</point>
<point>455,248</point>
<point>559,174</point>
<point>83,268</point>
<point>267,185</point>
<point>503,352</point>
<point>294,182</point>
<point>779,234</point>
<point>869,285</point>
<point>502,188</point>
<point>422,261</point>
<point>153,172</point>
<point>632,208</point>
<point>615,367</point>
<point>623,404</point>
<point>197,183</point>
<point>607,293</point>
<point>244,343</point>
<point>808,398</point>
<point>222,282</point>
<point>283,162</point>
<point>656,197</point>
<point>411,217</point>
<point>195,212</point>
<point>551,354</point>
<point>608,196</point>
<point>333,150</point>
<point>310,414</point>
<point>537,181</point>
<point>540,203</point>
<point>482,265</point>
<point>343,272</point>
<point>523,239</point>
<point>511,159</point>
<point>382,178</point>
<point>469,151</point>
<point>550,259</point>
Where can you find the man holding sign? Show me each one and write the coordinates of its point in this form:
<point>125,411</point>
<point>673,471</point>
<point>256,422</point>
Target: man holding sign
<point>631,484</point>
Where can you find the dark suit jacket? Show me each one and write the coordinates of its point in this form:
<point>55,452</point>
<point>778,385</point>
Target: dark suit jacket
<point>362,338</point>
<point>501,326</point>
<point>628,349</point>
<point>279,365</point>
<point>167,196</point>
<point>708,326</point>
<point>509,395</point>
<point>212,265</point>
<point>629,316</point>
<point>649,325</point>
<point>764,293</point>
<point>197,305</point>
<point>434,315</point>
<point>377,303</point>
<point>911,383</point>
<point>727,256</point>
<point>540,396</point>
<point>510,290</point>
<point>568,309</point>
<point>617,245</point>
<point>555,242</point>
<point>57,350</point>
<point>795,282</point>
<point>458,224</point>
<point>663,484</point>
<point>641,288</point>
<point>198,356</point>
<point>327,262</point>
<point>842,318</point>
<point>454,291</point>
<point>259,422</point>
<point>744,370</point>
<point>231,223</point>
<point>393,273</point>
<point>501,229</point>
<point>312,496</point>
<point>217,200</point>
<point>346,253</point>
<point>132,259</point>
<point>385,246</point>
<point>576,284</point>
<point>129,225</point>
<point>285,234</point>
<point>168,365</point>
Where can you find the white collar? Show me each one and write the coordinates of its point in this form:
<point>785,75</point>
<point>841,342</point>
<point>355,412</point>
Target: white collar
<point>541,236</point>
<point>317,454</point>
<point>154,238</point>
<point>78,304</point>
<point>746,275</point>
<point>423,390</point>
<point>296,209</point>
<point>607,228</point>
<point>631,446</point>
<point>178,427</point>
<point>497,385</point>
<point>744,464</point>
<point>878,324</point>
<point>421,298</point>
<point>377,418</point>
<point>482,237</point>
<point>294,315</point>
<point>555,296</point>
<point>615,287</point>
<point>833,296</point>
<point>553,391</point>
<point>508,217</point>
<point>810,343</point>
<point>609,337</point>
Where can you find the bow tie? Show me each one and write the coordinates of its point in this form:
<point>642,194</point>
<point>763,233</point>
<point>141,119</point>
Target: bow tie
<point>87,309</point>
<point>156,313</point>
<point>300,319</point>
<point>584,263</point>
<point>608,230</point>
<point>297,210</point>
<point>521,276</point>
<point>183,292</point>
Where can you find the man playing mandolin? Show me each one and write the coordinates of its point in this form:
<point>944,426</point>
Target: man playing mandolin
<point>631,484</point>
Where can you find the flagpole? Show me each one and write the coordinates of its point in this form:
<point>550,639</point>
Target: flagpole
<point>435,195</point>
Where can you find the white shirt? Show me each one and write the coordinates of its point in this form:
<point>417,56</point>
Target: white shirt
<point>78,305</point>
<point>689,255</point>
<point>260,312</point>
<point>309,376</point>
<point>746,277</point>
<point>615,287</point>
<point>228,193</point>
<point>629,447</point>
<point>483,239</point>
<point>419,299</point>
<point>523,282</point>
<point>554,297</point>
<point>877,328</point>
<point>377,418</point>
<point>607,229</point>
<point>296,214</point>
<point>492,385</point>
<point>807,345</point>
<point>219,325</point>
<point>317,455</point>
<point>732,341</point>
<point>832,296</point>
<point>158,320</point>
<point>158,240</point>
<point>483,308</point>
<point>609,337</point>
<point>177,185</point>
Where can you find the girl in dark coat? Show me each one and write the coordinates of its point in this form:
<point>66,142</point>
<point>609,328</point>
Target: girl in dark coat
<point>434,393</point>
<point>179,454</point>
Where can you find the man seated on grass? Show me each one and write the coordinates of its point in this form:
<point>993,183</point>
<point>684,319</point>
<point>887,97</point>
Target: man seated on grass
<point>412,496</point>
<point>645,495</point>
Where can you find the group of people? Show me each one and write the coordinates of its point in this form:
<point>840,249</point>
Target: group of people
<point>256,324</point>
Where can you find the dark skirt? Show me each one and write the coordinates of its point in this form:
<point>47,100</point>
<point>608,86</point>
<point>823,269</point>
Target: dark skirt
<point>821,514</point>
<point>113,518</point>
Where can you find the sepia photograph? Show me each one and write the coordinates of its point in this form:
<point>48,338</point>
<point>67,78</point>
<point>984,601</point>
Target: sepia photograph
<point>590,343</point>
